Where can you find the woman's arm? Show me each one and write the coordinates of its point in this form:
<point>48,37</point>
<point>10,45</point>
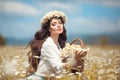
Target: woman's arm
<point>51,54</point>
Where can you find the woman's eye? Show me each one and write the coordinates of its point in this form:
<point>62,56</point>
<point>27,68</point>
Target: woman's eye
<point>53,24</point>
<point>60,22</point>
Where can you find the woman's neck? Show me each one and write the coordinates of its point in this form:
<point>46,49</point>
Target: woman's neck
<point>55,38</point>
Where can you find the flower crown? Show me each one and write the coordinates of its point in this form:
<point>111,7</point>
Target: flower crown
<point>51,14</point>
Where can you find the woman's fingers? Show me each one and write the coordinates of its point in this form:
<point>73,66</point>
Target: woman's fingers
<point>83,53</point>
<point>80,53</point>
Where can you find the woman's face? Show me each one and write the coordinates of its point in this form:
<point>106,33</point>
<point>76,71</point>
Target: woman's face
<point>56,26</point>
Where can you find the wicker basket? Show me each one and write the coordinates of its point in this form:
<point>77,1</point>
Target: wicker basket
<point>79,66</point>
<point>78,41</point>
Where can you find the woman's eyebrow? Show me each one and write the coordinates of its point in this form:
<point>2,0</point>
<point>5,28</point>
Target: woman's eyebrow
<point>53,22</point>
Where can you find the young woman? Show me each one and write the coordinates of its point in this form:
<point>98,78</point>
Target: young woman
<point>45,53</point>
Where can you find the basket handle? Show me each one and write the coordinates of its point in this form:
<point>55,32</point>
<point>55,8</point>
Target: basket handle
<point>80,40</point>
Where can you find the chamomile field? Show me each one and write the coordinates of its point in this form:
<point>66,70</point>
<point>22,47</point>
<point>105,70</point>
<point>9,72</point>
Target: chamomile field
<point>101,63</point>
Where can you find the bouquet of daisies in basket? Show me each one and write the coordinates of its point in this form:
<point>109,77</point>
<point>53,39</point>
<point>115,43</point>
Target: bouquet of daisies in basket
<point>73,54</point>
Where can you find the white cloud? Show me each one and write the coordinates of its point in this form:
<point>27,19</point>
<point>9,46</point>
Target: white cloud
<point>44,6</point>
<point>60,5</point>
<point>18,7</point>
<point>110,3</point>
<point>96,26</point>
<point>118,24</point>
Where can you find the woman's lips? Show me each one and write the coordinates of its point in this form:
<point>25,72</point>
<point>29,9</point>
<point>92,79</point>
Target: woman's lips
<point>59,29</point>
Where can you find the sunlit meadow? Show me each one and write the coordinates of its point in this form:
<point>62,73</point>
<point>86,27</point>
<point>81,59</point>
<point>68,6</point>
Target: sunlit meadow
<point>101,63</point>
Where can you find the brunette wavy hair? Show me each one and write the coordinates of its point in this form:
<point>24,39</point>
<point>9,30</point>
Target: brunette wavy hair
<point>36,44</point>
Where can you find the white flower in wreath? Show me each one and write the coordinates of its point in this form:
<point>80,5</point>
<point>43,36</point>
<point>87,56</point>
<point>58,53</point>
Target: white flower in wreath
<point>51,14</point>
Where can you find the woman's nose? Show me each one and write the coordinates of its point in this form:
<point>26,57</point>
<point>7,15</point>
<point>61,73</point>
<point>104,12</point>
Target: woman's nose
<point>58,25</point>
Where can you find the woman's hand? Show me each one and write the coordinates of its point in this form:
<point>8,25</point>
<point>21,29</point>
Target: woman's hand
<point>66,65</point>
<point>80,53</point>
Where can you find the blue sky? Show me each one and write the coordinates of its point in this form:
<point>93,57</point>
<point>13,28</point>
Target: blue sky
<point>21,18</point>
